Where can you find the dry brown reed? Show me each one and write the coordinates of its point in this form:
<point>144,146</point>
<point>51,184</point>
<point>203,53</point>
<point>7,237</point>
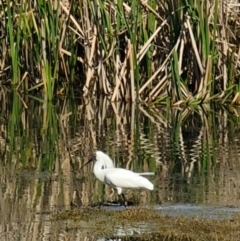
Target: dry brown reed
<point>133,51</point>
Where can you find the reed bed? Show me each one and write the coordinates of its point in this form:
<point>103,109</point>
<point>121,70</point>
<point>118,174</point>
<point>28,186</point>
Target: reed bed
<point>184,52</point>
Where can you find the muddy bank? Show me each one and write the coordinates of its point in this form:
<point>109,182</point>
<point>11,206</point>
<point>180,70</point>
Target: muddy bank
<point>167,223</point>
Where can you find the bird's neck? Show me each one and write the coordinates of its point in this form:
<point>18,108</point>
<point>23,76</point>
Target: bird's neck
<point>99,171</point>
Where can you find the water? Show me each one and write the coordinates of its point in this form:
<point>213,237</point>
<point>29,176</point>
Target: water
<point>195,155</point>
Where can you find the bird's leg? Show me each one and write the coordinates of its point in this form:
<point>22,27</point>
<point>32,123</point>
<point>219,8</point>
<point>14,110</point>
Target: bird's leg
<point>123,201</point>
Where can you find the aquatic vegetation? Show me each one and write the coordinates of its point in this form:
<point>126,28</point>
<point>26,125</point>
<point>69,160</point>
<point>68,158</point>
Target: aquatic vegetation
<point>154,225</point>
<point>185,53</point>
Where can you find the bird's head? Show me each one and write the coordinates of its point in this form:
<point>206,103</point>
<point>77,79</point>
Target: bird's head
<point>102,161</point>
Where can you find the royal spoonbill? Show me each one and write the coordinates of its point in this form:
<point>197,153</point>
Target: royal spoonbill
<point>118,178</point>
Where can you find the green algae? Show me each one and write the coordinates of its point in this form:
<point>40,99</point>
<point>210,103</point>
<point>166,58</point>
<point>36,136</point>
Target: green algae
<point>147,224</point>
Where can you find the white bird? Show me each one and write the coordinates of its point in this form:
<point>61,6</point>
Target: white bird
<point>118,178</point>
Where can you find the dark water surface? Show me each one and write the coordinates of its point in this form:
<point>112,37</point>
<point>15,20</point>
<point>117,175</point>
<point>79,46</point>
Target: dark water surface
<point>195,155</point>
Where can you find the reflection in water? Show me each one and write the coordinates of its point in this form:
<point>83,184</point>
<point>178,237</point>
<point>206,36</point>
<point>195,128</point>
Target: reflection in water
<point>194,153</point>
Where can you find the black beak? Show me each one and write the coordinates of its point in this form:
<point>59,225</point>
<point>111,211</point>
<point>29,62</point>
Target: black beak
<point>92,159</point>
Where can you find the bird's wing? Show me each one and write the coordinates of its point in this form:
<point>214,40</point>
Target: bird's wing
<point>123,178</point>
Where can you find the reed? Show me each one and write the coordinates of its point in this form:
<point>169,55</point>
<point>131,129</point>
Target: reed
<point>186,51</point>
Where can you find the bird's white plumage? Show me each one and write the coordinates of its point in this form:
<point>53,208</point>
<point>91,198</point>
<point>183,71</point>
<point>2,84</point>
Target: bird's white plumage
<point>118,178</point>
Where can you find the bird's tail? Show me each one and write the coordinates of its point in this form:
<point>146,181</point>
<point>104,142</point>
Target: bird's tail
<point>148,185</point>
<point>146,173</point>
<point>143,182</point>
